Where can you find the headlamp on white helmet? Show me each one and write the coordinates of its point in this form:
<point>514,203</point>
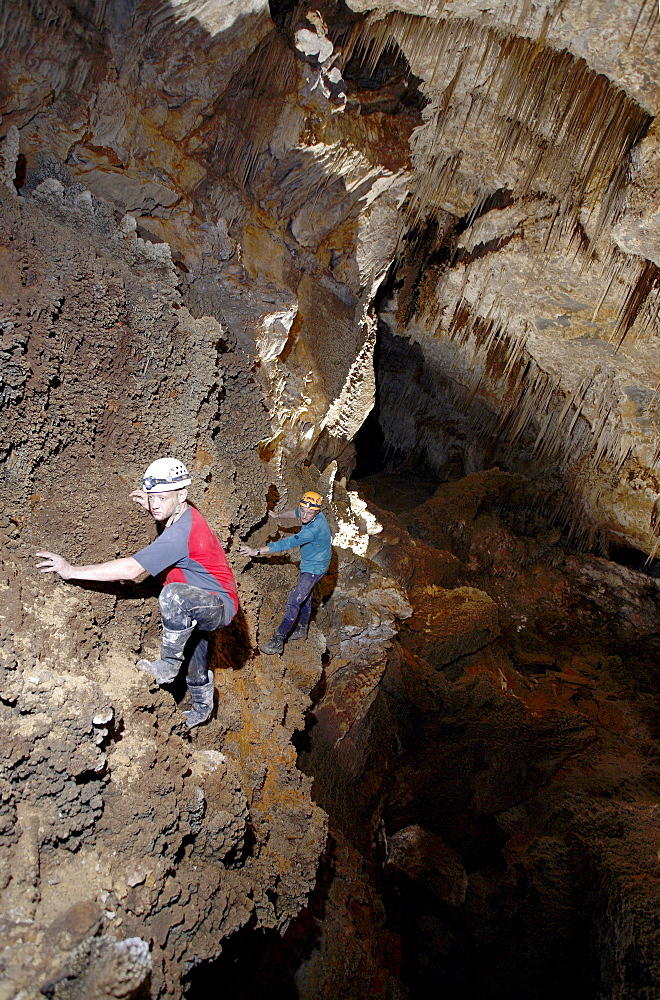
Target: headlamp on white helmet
<point>165,474</point>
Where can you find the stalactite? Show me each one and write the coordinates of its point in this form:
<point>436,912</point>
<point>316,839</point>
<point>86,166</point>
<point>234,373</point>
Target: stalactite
<point>647,20</point>
<point>535,402</point>
<point>270,75</point>
<point>582,428</point>
<point>648,280</point>
<point>572,127</point>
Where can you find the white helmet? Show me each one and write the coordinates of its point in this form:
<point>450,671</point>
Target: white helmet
<point>165,474</point>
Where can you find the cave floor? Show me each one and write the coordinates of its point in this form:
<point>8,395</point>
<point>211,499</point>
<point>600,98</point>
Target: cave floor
<point>395,492</point>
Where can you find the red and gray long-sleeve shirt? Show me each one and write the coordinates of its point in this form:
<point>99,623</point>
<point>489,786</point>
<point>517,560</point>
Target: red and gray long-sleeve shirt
<point>191,553</point>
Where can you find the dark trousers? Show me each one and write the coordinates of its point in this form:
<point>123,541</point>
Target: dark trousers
<point>299,605</point>
<point>180,606</point>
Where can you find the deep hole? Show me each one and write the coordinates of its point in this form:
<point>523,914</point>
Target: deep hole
<point>399,368</point>
<point>302,738</point>
<point>21,171</point>
<point>282,11</point>
<point>85,777</point>
<point>261,964</point>
<point>510,948</point>
<point>389,86</point>
<point>370,447</point>
<point>254,965</point>
<point>635,559</point>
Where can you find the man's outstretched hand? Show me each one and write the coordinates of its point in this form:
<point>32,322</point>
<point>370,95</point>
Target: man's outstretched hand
<point>54,564</point>
<point>111,571</point>
<point>245,550</point>
<point>141,497</point>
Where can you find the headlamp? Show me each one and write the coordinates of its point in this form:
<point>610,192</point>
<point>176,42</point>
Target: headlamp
<point>149,482</point>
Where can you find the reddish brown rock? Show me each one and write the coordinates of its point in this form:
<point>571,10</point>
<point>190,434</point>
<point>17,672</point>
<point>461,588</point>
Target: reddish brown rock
<point>424,858</point>
<point>449,624</point>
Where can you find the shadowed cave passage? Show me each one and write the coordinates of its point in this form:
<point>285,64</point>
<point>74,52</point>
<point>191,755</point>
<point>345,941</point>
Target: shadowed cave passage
<point>490,806</point>
<point>486,782</point>
<point>426,429</point>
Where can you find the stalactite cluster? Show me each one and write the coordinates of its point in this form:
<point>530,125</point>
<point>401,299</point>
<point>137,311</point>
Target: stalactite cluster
<point>532,151</point>
<point>552,122</point>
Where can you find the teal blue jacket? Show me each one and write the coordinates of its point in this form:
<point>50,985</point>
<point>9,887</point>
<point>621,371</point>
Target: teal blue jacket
<point>315,541</point>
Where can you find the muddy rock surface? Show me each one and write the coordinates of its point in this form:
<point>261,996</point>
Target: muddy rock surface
<point>503,780</point>
<point>130,849</point>
<point>119,829</point>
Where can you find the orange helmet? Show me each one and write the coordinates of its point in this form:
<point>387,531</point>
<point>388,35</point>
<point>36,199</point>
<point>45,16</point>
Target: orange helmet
<point>312,500</point>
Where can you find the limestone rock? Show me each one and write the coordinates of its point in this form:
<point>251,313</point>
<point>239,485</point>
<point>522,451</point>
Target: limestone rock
<point>473,189</point>
<point>423,857</point>
<point>448,624</point>
<point>113,826</point>
<point>9,148</point>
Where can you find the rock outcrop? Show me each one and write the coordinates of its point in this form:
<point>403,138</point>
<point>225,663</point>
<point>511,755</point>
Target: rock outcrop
<point>128,851</point>
<point>131,852</point>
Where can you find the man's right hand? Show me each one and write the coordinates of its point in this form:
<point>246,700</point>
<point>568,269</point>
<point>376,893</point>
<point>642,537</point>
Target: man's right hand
<point>54,564</point>
<point>141,497</point>
<point>111,571</point>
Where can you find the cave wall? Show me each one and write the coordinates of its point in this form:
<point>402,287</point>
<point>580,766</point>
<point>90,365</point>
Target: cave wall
<point>233,143</point>
<point>128,852</point>
<point>527,274</point>
<point>292,164</point>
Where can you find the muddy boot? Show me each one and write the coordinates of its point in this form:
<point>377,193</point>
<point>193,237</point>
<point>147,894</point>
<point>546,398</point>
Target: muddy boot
<point>201,696</point>
<point>299,632</point>
<point>165,669</point>
<point>274,645</point>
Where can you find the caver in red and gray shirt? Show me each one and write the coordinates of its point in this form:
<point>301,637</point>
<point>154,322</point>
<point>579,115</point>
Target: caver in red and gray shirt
<point>191,553</point>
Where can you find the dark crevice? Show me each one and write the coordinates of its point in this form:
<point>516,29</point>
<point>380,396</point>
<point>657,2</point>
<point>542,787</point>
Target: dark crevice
<point>261,964</point>
<point>389,87</point>
<point>635,559</point>
<point>21,171</point>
